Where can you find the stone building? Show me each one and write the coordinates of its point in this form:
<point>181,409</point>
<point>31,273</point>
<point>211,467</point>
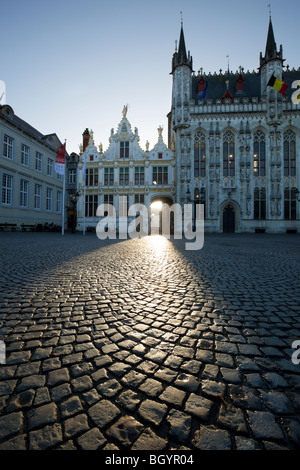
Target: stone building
<point>31,190</point>
<point>237,143</point>
<point>124,169</point>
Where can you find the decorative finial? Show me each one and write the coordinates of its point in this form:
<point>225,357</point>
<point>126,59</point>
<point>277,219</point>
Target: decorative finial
<point>228,62</point>
<point>181,18</point>
<point>176,45</point>
<point>91,135</point>
<point>227,83</point>
<point>270,12</point>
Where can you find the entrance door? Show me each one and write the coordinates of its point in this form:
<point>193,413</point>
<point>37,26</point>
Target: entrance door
<point>228,219</point>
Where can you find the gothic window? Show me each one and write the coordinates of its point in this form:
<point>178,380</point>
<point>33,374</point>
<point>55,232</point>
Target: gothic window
<point>289,152</point>
<point>228,154</point>
<point>259,158</point>
<point>199,155</point>
<point>259,204</point>
<point>290,204</point>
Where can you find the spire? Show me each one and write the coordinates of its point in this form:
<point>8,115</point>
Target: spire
<point>180,57</point>
<point>271,48</point>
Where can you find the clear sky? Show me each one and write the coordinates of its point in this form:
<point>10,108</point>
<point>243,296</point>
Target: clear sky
<point>72,64</point>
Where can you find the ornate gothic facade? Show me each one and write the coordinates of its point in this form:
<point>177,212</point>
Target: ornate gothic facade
<point>237,143</point>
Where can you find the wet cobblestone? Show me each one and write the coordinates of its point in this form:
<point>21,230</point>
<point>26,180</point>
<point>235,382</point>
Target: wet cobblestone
<point>141,345</point>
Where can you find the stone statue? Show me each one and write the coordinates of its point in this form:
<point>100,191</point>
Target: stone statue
<point>160,130</point>
<point>125,109</point>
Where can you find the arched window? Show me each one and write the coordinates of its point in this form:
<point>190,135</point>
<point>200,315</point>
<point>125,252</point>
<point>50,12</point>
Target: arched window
<point>199,155</point>
<point>228,154</point>
<point>289,153</point>
<point>259,148</point>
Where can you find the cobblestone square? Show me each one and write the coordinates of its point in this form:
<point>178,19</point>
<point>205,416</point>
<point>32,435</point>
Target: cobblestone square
<point>141,345</point>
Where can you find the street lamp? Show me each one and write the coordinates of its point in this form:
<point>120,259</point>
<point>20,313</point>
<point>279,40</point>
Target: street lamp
<point>74,198</point>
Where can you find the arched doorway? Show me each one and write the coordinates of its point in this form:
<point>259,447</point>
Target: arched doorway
<point>228,219</point>
<point>156,208</point>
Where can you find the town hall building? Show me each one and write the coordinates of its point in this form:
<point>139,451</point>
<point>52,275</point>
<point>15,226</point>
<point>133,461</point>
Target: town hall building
<point>237,143</point>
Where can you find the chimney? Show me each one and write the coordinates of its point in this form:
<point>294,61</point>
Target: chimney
<point>86,138</point>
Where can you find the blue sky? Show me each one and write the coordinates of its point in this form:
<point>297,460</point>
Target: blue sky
<point>69,64</point>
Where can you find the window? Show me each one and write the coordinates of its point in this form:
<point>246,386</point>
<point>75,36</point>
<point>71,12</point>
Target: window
<point>259,148</point>
<point>139,199</point>
<point>58,201</point>
<point>160,175</point>
<point>139,176</point>
<point>49,199</point>
<point>290,204</point>
<point>91,205</point>
<point>7,183</point>
<point>37,203</point>
<point>8,145</point>
<point>124,149</point>
<point>24,185</point>
<point>228,154</point>
<point>50,167</point>
<point>38,161</point>
<point>289,152</point>
<point>91,177</point>
<point>72,176</point>
<point>259,204</point>
<point>24,155</point>
<point>124,176</point>
<point>109,199</point>
<point>108,176</point>
<point>160,155</point>
<point>199,155</point>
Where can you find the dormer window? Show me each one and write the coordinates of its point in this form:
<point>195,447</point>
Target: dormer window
<point>124,149</point>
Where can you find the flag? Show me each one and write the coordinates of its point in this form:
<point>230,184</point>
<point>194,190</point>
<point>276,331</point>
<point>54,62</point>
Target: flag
<point>203,94</point>
<point>60,159</point>
<point>280,86</point>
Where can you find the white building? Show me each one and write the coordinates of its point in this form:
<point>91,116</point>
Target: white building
<point>31,190</point>
<point>124,169</point>
<point>237,143</point>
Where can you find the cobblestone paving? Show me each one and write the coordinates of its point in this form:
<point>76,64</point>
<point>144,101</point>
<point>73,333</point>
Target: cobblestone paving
<point>142,345</point>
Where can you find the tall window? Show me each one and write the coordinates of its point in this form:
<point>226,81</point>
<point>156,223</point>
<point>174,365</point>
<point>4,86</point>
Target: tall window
<point>49,199</point>
<point>8,145</point>
<point>124,176</point>
<point>24,186</point>
<point>289,152</point>
<point>160,175</point>
<point>24,155</point>
<point>290,204</point>
<point>199,155</point>
<point>50,167</point>
<point>91,177</point>
<point>139,176</point>
<point>228,154</point>
<point>38,161</point>
<point>259,204</point>
<point>91,204</point>
<point>37,203</point>
<point>7,187</point>
<point>259,147</point>
<point>109,199</point>
<point>124,149</point>
<point>72,176</point>
<point>58,201</point>
<point>108,176</point>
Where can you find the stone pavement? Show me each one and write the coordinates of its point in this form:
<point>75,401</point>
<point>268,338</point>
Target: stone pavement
<point>140,344</point>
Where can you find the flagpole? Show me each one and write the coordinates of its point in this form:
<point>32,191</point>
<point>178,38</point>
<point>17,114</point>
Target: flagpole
<point>63,198</point>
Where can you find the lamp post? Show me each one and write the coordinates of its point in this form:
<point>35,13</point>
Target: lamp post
<point>74,198</point>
